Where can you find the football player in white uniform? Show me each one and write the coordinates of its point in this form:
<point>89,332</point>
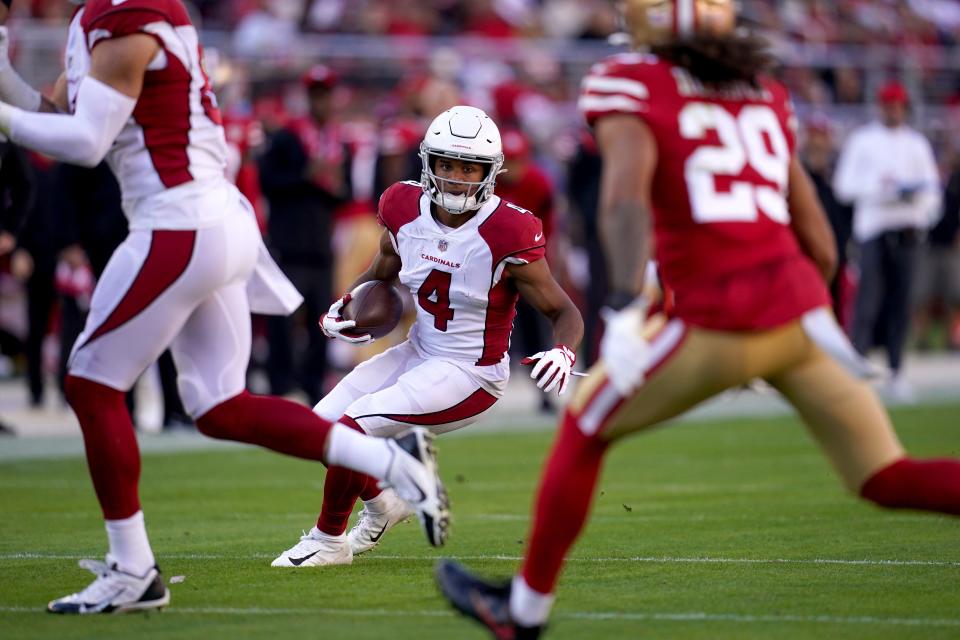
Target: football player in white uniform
<point>467,256</point>
<point>186,277</point>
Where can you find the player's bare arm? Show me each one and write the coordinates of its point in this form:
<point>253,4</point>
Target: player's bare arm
<point>538,287</point>
<point>121,62</point>
<point>629,157</point>
<point>809,221</point>
<point>104,103</point>
<point>551,369</point>
<point>57,102</point>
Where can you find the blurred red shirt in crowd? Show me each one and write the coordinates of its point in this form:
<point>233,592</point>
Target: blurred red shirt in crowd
<point>525,184</point>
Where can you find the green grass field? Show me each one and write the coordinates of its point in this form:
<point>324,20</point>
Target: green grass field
<point>702,530</point>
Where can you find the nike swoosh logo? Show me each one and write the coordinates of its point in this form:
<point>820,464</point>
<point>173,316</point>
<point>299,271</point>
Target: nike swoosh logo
<point>537,237</point>
<point>299,561</point>
<point>118,2</point>
<point>377,537</point>
<point>103,604</point>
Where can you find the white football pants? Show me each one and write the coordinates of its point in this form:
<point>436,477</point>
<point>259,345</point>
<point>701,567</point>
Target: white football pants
<point>183,289</point>
<point>399,388</point>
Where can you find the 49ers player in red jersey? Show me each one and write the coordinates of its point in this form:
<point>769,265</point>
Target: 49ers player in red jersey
<point>186,277</point>
<point>694,135</point>
<point>467,256</point>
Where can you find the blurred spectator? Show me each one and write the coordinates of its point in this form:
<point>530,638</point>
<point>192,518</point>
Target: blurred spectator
<point>938,272</point>
<point>887,170</point>
<point>304,176</point>
<point>525,184</point>
<point>15,195</point>
<point>40,243</point>
<point>245,138</point>
<point>16,190</point>
<point>270,29</point>
<point>483,19</point>
<point>819,156</point>
<point>583,190</point>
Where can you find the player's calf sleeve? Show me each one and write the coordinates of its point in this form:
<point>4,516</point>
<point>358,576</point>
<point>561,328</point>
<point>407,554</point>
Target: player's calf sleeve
<point>111,445</point>
<point>371,489</point>
<point>274,423</point>
<point>928,485</point>
<point>562,504</point>
<point>341,488</point>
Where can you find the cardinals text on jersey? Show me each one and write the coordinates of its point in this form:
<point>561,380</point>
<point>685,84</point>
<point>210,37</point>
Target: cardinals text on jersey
<point>465,307</point>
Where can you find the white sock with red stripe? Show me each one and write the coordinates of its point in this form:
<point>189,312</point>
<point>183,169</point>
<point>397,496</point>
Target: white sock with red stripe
<point>129,545</point>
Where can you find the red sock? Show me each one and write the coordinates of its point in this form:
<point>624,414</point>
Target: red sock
<point>341,488</point>
<point>928,485</point>
<point>269,422</point>
<point>371,489</point>
<point>563,503</point>
<point>112,453</point>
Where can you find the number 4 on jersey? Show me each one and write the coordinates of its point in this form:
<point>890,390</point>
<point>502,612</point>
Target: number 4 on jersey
<point>434,298</point>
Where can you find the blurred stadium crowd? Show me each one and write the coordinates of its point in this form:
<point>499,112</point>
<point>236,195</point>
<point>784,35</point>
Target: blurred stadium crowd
<point>839,21</point>
<point>313,146</point>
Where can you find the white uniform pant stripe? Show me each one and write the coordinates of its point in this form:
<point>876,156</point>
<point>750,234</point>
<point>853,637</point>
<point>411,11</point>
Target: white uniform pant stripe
<point>607,399</point>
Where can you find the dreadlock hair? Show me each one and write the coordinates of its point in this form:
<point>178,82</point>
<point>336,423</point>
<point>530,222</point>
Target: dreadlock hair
<point>720,60</point>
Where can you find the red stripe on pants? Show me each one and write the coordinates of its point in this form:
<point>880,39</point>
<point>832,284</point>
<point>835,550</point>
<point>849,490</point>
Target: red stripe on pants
<point>167,259</point>
<point>473,405</point>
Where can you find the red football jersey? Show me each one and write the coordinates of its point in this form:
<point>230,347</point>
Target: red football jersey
<point>722,229</point>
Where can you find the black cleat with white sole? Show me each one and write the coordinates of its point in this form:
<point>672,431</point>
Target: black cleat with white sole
<point>414,474</point>
<point>114,591</point>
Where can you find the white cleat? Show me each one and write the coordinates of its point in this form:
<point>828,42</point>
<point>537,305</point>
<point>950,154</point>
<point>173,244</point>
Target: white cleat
<point>413,473</point>
<point>114,591</point>
<point>378,516</point>
<point>316,549</point>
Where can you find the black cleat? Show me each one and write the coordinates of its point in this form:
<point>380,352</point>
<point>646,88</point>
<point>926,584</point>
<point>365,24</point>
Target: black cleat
<point>414,475</point>
<point>486,602</point>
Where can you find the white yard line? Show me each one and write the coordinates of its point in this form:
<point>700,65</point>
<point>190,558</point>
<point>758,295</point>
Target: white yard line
<point>26,555</point>
<point>596,616</point>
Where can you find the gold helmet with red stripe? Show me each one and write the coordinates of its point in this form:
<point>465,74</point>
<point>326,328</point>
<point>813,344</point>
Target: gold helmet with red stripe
<point>656,22</point>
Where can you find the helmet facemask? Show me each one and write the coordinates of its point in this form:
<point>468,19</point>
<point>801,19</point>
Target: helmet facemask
<point>476,193</point>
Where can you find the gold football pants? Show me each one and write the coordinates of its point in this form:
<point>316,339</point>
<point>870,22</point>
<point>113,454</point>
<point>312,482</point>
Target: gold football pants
<point>691,364</point>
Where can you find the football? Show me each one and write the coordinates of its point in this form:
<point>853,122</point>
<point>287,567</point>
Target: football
<point>375,306</point>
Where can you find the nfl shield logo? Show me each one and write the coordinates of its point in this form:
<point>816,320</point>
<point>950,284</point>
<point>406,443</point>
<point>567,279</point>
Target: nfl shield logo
<point>442,245</point>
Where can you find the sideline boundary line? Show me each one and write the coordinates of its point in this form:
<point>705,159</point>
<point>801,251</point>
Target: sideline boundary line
<point>505,558</point>
<point>599,616</point>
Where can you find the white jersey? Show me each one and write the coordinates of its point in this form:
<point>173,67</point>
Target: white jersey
<point>465,307</point>
<point>172,153</point>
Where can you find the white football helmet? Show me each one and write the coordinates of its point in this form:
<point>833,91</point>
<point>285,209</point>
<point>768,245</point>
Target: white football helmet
<point>461,133</point>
